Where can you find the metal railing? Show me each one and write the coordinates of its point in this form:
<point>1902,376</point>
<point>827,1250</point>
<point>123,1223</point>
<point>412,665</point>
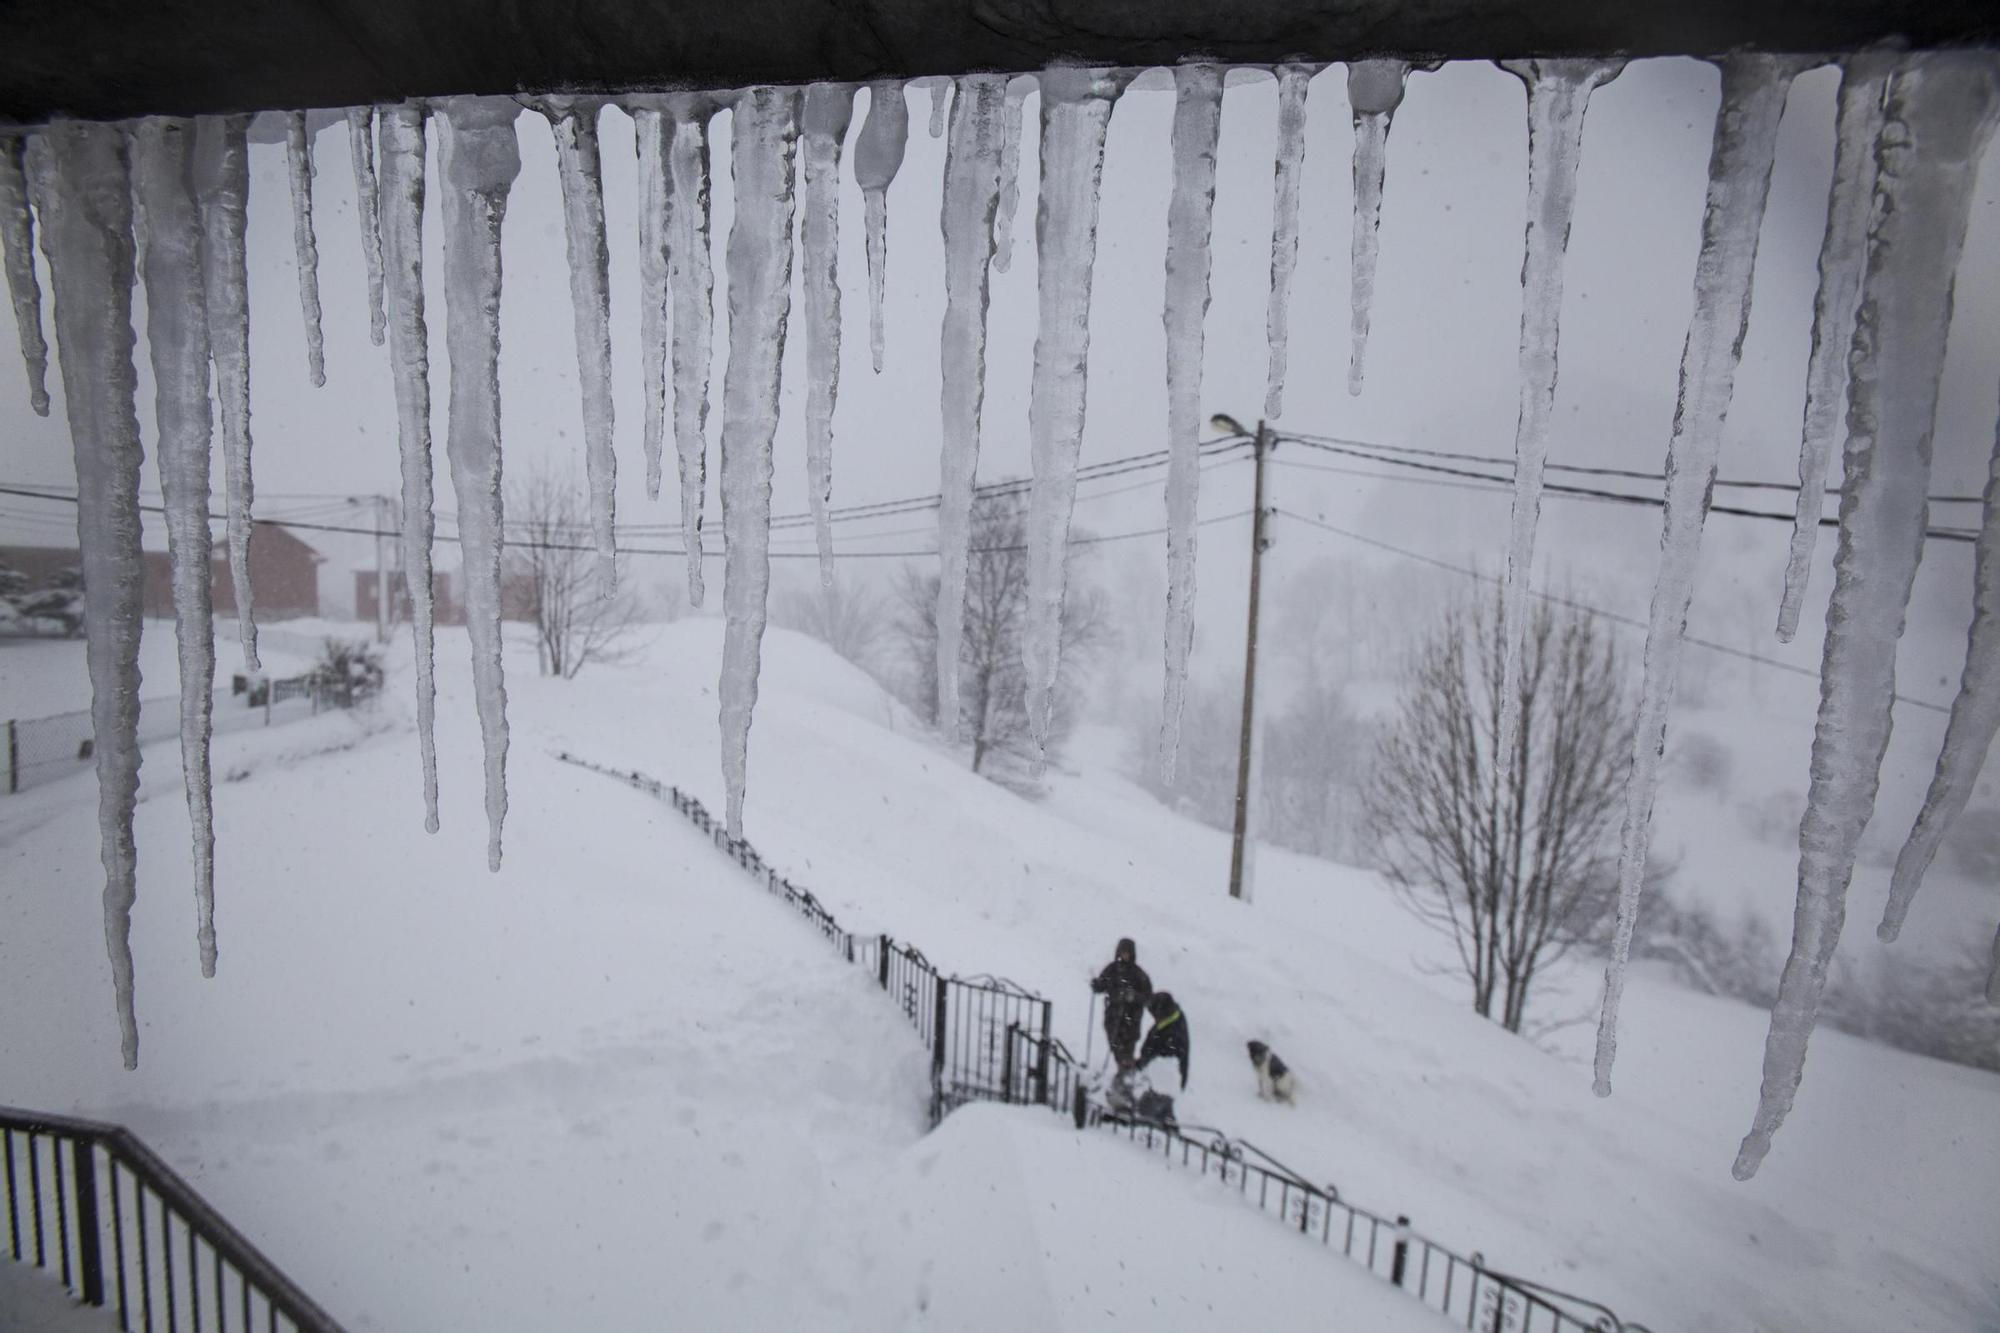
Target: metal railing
<point>990,1040</point>
<point>96,1208</point>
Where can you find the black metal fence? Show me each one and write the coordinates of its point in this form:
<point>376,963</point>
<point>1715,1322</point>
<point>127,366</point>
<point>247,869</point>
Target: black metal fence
<point>94,1207</point>
<point>990,1040</point>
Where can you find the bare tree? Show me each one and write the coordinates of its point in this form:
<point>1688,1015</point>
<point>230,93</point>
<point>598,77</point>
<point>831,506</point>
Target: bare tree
<point>847,617</point>
<point>553,577</point>
<point>993,707</point>
<point>1516,860</point>
<point>1314,752</point>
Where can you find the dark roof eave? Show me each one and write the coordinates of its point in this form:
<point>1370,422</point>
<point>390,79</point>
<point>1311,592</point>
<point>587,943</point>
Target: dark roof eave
<point>106,60</point>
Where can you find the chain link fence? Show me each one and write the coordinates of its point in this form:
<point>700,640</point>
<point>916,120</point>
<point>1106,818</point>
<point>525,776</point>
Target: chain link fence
<point>35,751</point>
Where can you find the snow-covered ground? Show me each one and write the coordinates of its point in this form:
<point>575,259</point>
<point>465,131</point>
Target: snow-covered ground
<point>613,1086</point>
<point>619,1058</point>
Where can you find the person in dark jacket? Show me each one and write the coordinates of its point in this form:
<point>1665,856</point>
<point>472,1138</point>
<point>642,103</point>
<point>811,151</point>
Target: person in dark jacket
<point>1125,988</point>
<point>1169,1036</point>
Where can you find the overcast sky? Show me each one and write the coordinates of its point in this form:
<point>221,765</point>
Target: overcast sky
<point>1441,362</point>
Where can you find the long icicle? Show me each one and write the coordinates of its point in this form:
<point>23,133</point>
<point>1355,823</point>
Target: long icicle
<point>1975,718</point>
<point>1558,95</point>
<point>940,91</point>
<point>84,199</point>
<point>691,277</point>
<point>481,158</point>
<point>971,198</point>
<point>299,166</point>
<point>1739,178</point>
<point>1374,91</point>
<point>829,109</point>
<point>1010,172</point>
<point>367,208</point>
<point>222,179</point>
<point>763,132</point>
<point>652,132</point>
<point>574,123</point>
<point>17,243</point>
<point>1937,119</point>
<point>1293,82</point>
<point>402,230</point>
<point>1076,113</point>
<point>878,155</point>
<point>177,333</point>
<point>1843,253</point>
<point>1190,225</point>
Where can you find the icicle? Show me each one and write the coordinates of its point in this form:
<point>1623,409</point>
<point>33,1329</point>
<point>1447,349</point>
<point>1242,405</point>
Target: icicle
<point>1558,94</point>
<point>1010,173</point>
<point>1993,972</point>
<point>1076,112</point>
<point>1374,91</point>
<point>361,147</point>
<point>940,90</point>
<point>971,196</point>
<point>177,333</point>
<point>652,130</point>
<point>222,180</point>
<point>763,129</point>
<point>402,231</point>
<point>1842,256</point>
<point>1739,176</point>
<point>17,239</point>
<point>1190,223</point>
<point>691,277</point>
<point>1975,718</point>
<point>829,109</point>
<point>481,160</point>
<point>1293,81</point>
<point>299,161</point>
<point>84,200</point>
<point>574,121</point>
<point>1937,119</point>
<point>878,154</point>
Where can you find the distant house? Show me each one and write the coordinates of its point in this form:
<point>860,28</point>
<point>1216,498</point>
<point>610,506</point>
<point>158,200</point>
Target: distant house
<point>284,577</point>
<point>444,607</point>
<point>517,597</point>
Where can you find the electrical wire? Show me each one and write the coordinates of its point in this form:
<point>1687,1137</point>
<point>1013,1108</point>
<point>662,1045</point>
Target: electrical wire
<point>1570,602</point>
<point>1578,468</point>
<point>514,543</point>
<point>1589,492</point>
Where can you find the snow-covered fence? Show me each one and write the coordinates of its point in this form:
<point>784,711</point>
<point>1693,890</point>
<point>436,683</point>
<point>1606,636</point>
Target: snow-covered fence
<point>40,750</point>
<point>1459,1286</point>
<point>94,1207</point>
<point>969,1023</point>
<point>991,1040</point>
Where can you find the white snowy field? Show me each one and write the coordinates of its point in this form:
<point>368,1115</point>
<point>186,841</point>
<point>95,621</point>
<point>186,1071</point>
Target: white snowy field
<point>1874,1211</point>
<point>613,1086</point>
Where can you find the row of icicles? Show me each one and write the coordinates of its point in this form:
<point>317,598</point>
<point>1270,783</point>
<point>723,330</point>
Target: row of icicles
<point>1910,132</point>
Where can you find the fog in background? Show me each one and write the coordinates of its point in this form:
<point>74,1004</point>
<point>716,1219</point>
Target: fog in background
<point>1441,362</point>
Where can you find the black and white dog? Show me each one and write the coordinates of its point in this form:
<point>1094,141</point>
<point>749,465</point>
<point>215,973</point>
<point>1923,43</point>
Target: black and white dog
<point>1274,1080</point>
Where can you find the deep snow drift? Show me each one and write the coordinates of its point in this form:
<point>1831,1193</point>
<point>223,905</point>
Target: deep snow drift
<point>613,1085</point>
<point>619,1026</point>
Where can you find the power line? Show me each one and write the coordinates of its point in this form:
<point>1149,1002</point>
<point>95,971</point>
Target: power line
<point>514,543</point>
<point>1591,493</point>
<point>1559,600</point>
<point>1578,468</point>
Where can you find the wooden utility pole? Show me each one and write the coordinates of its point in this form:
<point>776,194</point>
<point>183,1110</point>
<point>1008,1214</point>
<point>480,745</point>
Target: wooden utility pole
<point>1247,741</point>
<point>381,570</point>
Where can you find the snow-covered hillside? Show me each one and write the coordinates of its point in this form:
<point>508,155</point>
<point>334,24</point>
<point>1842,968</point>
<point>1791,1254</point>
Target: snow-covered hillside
<point>618,1058</point>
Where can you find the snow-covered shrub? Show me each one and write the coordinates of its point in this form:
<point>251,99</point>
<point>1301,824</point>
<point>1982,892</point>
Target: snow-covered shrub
<point>348,671</point>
